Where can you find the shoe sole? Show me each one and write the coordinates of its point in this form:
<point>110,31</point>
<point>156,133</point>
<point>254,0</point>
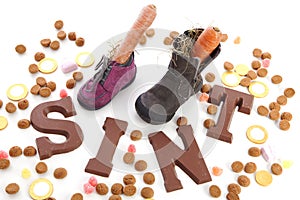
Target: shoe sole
<point>93,108</point>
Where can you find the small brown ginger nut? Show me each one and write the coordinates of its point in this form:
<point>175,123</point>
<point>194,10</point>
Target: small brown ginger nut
<point>250,167</point>
<point>61,35</point>
<point>276,79</point>
<point>255,64</point>
<point>129,190</point>
<point>51,85</point>
<point>140,165</point>
<point>41,168</point>
<point>77,76</point>
<point>129,179</point>
<point>282,100</point>
<point>60,173</point>
<point>173,34</point>
<point>243,181</point>
<point>245,82</point>
<point>237,166</point>
<point>102,189</point>
<point>276,169</point>
<point>149,178</point>
<point>210,77</point>
<point>20,49</point>
<point>208,123</point>
<point>1,103</point>
<point>4,163</point>
<point>274,115</point>
<point>181,121</point>
<point>128,158</point>
<point>257,52</point>
<point>41,81</point>
<point>45,42</point>
<point>265,55</point>
<point>70,83</point>
<point>58,24</point>
<point>212,109</point>
<point>147,192</point>
<point>206,88</point>
<point>115,197</point>
<point>116,188</point>
<point>235,188</point>
<point>168,41</point>
<point>45,92</point>
<point>215,191</point>
<point>136,135</point>
<point>79,41</point>
<point>72,36</point>
<point>150,32</point>
<point>286,115</point>
<point>284,125</point>
<point>29,151</point>
<point>228,66</point>
<point>23,123</point>
<point>35,89</point>
<point>54,45</point>
<point>262,110</point>
<point>251,74</point>
<point>254,151</point>
<point>12,188</point>
<point>224,37</point>
<point>15,151</point>
<point>289,92</point>
<point>33,68</point>
<point>232,196</point>
<point>77,196</point>
<point>143,40</point>
<point>274,106</point>
<point>10,107</point>
<point>262,72</point>
<point>38,56</point>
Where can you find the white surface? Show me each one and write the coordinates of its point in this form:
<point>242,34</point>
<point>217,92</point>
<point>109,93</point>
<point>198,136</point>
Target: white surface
<point>269,25</point>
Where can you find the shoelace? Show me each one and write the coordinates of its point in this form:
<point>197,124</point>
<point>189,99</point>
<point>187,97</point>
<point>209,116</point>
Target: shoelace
<point>101,66</point>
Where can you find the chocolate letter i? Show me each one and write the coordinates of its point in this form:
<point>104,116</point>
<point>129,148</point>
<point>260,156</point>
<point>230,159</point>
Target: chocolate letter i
<point>69,129</point>
<point>102,164</point>
<point>189,160</point>
<point>231,99</point>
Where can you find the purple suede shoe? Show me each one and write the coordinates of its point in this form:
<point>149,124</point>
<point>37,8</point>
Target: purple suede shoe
<point>109,80</point>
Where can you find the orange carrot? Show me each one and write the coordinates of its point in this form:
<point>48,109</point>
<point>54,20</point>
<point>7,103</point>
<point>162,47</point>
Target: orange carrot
<point>206,42</point>
<point>142,23</point>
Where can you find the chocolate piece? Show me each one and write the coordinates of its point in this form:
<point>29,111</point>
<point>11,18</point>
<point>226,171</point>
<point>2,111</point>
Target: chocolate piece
<point>190,160</point>
<point>69,129</point>
<point>102,164</point>
<point>231,99</point>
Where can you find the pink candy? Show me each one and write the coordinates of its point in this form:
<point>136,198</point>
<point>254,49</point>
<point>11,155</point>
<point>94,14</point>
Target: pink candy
<point>266,62</point>
<point>88,188</point>
<point>203,97</point>
<point>93,181</point>
<point>131,148</point>
<point>3,154</point>
<point>68,66</point>
<point>63,93</point>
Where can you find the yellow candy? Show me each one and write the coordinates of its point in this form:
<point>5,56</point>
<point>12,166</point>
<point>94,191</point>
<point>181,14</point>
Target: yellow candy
<point>26,173</point>
<point>287,164</point>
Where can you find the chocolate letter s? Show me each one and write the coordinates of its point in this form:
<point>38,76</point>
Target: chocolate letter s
<point>69,129</point>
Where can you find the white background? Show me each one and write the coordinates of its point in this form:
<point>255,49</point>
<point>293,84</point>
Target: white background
<point>269,25</point>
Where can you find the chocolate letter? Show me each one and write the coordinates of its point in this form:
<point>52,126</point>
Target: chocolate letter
<point>189,160</point>
<point>101,165</point>
<point>69,129</point>
<point>231,99</point>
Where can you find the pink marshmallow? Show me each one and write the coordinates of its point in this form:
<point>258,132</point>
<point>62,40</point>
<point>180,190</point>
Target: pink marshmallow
<point>69,66</point>
<point>93,181</point>
<point>88,188</point>
<point>266,62</point>
<point>131,148</point>
<point>3,154</point>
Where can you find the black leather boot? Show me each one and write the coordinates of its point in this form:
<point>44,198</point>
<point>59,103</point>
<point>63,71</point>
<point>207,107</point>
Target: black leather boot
<point>182,80</point>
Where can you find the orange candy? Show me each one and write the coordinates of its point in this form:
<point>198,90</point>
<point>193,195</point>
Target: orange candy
<point>217,171</point>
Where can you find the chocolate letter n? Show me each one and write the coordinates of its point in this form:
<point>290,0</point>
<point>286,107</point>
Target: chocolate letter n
<point>189,160</point>
<point>231,99</point>
<point>69,129</point>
